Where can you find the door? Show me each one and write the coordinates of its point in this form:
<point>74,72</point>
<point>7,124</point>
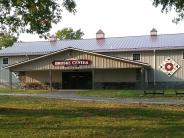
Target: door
<point>77,80</point>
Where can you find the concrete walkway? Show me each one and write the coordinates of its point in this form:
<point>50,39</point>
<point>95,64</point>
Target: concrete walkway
<point>72,95</point>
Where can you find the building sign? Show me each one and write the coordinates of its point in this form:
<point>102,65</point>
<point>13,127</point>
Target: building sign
<point>72,62</point>
<point>169,66</point>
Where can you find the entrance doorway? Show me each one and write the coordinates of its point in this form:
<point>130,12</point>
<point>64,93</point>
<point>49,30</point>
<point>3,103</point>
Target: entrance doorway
<point>77,80</point>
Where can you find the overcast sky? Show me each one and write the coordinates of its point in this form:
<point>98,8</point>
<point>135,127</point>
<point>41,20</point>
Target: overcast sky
<point>117,18</point>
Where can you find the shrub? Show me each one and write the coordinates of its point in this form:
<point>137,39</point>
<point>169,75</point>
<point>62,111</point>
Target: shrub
<point>35,86</point>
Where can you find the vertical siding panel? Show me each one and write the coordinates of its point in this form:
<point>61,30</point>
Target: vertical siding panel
<point>127,65</point>
<point>93,60</point>
<point>111,64</point>
<point>115,64</point>
<point>102,65</point>
<point>97,62</point>
<point>104,62</point>
<point>80,55</point>
<point>119,64</point>
<point>88,57</point>
<point>107,63</point>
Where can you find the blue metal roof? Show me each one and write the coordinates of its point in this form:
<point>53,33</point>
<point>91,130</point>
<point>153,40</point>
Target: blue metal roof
<point>130,43</point>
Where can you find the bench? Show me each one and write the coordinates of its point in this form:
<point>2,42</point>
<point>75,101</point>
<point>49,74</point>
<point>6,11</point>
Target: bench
<point>179,92</point>
<point>154,91</point>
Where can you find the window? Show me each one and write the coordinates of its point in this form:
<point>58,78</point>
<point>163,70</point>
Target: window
<point>5,60</point>
<point>136,56</point>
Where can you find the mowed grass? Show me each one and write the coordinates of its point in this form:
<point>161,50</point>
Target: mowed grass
<point>128,93</point>
<point>44,118</point>
<point>113,93</point>
<point>15,90</point>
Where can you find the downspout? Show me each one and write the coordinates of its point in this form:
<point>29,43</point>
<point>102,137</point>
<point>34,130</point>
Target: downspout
<point>10,79</point>
<point>154,60</point>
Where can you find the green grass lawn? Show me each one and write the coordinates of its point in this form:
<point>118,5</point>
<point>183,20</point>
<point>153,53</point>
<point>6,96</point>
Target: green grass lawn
<point>169,93</point>
<point>35,117</point>
<point>15,90</point>
<point>113,93</point>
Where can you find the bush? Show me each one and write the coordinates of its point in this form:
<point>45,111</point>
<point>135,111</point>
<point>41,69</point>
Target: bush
<point>35,86</point>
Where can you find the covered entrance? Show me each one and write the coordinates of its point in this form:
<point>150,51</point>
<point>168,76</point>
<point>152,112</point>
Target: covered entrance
<point>80,70</point>
<point>77,80</point>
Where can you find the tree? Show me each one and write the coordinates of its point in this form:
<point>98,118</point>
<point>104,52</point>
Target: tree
<point>32,16</point>
<point>6,40</point>
<point>69,33</point>
<point>168,5</point>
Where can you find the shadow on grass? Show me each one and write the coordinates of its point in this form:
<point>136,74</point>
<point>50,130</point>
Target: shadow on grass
<point>30,120</point>
<point>107,131</point>
<point>93,112</point>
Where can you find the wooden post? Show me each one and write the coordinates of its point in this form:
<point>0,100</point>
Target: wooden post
<point>10,80</point>
<point>50,79</point>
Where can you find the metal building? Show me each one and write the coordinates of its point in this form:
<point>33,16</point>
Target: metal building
<point>122,62</point>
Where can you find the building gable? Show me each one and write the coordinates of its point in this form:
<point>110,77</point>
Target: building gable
<point>76,58</point>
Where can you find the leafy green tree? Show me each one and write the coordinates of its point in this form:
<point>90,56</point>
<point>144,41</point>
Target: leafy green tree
<point>32,16</point>
<point>6,40</point>
<point>168,5</point>
<point>69,33</point>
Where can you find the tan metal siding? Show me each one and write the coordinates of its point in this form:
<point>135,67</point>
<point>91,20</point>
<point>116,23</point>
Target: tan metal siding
<point>4,73</point>
<point>43,76</point>
<point>98,62</point>
<point>176,55</point>
<point>115,75</point>
<point>148,57</point>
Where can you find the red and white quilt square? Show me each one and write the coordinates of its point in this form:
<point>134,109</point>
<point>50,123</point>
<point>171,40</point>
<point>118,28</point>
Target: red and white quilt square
<point>169,66</point>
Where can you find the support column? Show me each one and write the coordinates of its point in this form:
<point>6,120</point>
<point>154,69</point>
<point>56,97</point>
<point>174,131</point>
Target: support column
<point>146,78</point>
<point>61,81</point>
<point>154,75</point>
<point>93,79</point>
<point>50,79</point>
<point>142,78</point>
<point>10,80</point>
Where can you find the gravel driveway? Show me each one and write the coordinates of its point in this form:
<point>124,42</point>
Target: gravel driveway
<point>72,95</point>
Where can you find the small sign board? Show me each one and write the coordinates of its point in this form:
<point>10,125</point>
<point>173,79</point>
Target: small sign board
<point>66,63</point>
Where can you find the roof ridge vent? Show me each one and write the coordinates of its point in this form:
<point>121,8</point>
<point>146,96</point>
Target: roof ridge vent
<point>100,34</point>
<point>153,32</point>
